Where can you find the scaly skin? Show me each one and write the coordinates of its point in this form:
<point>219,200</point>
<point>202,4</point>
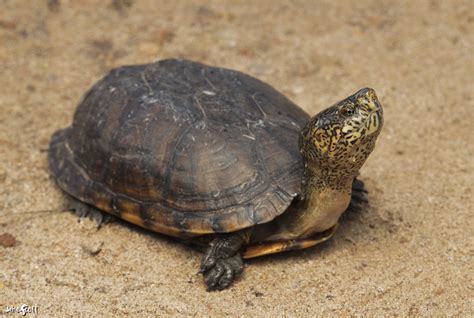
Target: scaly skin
<point>334,145</point>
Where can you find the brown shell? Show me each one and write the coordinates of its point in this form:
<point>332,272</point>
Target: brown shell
<point>182,148</point>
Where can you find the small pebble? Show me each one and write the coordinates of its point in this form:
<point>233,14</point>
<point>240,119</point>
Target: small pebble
<point>7,240</point>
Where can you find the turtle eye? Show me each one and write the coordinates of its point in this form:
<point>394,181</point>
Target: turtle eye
<point>347,111</point>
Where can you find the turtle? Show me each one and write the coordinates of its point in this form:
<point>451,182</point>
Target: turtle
<point>215,158</point>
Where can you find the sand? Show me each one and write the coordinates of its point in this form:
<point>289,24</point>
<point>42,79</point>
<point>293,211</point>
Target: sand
<point>408,253</point>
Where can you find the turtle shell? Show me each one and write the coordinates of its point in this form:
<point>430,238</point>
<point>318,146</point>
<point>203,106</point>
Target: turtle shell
<point>182,148</point>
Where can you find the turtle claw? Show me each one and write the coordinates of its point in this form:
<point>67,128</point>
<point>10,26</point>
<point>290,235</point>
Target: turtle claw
<point>83,210</point>
<point>212,276</point>
<point>223,273</point>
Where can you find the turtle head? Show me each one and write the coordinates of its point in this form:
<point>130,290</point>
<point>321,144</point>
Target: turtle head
<point>342,136</point>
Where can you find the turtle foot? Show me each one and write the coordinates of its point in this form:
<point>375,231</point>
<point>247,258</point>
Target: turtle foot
<point>222,261</point>
<point>223,273</point>
<point>359,195</point>
<point>83,210</point>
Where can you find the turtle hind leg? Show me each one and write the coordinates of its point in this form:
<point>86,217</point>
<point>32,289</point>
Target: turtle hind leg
<point>222,261</point>
<point>84,210</point>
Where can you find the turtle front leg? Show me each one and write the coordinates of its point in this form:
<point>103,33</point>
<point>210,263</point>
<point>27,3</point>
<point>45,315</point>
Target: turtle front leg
<point>359,195</point>
<point>222,261</point>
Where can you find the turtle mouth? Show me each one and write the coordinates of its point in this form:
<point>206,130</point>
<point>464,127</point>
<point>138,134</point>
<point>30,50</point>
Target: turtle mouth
<point>370,118</point>
<point>375,121</point>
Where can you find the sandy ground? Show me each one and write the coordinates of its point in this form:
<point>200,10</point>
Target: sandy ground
<point>409,253</point>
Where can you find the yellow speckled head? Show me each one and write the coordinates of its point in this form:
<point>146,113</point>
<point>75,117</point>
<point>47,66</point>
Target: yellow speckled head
<point>344,135</point>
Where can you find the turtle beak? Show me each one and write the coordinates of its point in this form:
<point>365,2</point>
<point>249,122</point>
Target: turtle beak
<point>367,98</point>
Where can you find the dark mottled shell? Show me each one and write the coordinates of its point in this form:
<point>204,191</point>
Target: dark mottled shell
<point>182,148</point>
